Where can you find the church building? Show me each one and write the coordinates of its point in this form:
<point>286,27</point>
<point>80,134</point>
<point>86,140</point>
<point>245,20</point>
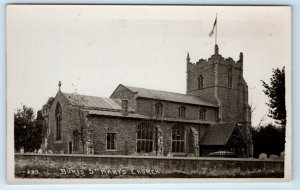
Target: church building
<point>211,119</point>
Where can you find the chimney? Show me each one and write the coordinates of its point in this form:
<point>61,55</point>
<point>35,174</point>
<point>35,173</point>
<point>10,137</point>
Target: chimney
<point>125,107</point>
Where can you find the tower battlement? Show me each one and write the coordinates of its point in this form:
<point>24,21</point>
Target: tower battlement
<point>215,59</point>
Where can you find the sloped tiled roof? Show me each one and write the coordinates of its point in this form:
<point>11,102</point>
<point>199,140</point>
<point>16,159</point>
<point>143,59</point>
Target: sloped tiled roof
<point>94,101</point>
<point>117,114</point>
<point>140,116</point>
<point>169,96</point>
<point>217,134</point>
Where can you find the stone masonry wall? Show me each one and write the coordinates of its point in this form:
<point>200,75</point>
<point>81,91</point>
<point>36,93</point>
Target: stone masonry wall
<point>126,132</point>
<point>125,129</point>
<point>95,166</point>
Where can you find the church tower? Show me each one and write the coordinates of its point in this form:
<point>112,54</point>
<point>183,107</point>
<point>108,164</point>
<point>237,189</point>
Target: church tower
<point>220,80</point>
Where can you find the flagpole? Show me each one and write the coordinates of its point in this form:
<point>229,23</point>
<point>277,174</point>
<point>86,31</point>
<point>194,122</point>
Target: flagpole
<point>216,29</point>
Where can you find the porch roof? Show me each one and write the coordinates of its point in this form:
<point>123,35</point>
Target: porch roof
<point>218,134</point>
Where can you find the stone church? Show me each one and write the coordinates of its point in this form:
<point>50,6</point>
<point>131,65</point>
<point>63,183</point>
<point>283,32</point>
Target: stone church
<point>211,119</point>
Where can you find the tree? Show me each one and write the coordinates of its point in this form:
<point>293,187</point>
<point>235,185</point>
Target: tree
<point>156,113</point>
<point>50,101</point>
<point>78,116</point>
<point>36,132</point>
<point>25,131</point>
<point>276,93</point>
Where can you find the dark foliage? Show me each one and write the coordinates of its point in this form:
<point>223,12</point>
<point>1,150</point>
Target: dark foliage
<point>269,140</point>
<point>276,93</point>
<point>37,132</point>
<point>50,101</point>
<point>26,133</point>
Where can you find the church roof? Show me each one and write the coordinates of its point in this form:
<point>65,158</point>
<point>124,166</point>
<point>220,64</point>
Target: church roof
<point>140,116</point>
<point>169,96</point>
<point>94,101</point>
<point>217,134</point>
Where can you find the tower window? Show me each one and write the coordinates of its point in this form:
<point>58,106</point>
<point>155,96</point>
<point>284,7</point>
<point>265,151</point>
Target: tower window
<point>217,115</point>
<point>58,121</point>
<point>200,82</point>
<point>159,109</point>
<point>229,81</point>
<point>202,113</point>
<point>181,112</point>
<point>178,138</point>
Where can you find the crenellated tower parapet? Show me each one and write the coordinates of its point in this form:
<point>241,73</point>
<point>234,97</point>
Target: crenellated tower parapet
<point>215,59</point>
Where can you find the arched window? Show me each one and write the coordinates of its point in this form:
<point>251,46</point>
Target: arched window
<point>145,138</point>
<point>178,139</point>
<point>202,113</point>
<point>76,140</point>
<point>200,82</point>
<point>159,109</point>
<point>181,112</point>
<point>58,121</point>
<point>229,81</point>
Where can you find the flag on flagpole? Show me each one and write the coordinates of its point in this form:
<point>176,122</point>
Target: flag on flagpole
<point>213,29</point>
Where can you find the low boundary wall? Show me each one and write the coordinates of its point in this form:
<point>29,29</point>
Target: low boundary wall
<point>104,166</point>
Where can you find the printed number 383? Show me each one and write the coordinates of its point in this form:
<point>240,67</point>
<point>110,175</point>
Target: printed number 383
<point>32,172</point>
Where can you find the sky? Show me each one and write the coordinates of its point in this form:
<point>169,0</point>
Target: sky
<point>92,49</point>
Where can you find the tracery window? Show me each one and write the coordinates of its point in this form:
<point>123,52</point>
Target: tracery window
<point>145,138</point>
<point>178,140</point>
<point>58,114</point>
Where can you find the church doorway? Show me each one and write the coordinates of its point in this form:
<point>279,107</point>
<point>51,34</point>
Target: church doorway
<point>70,147</point>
